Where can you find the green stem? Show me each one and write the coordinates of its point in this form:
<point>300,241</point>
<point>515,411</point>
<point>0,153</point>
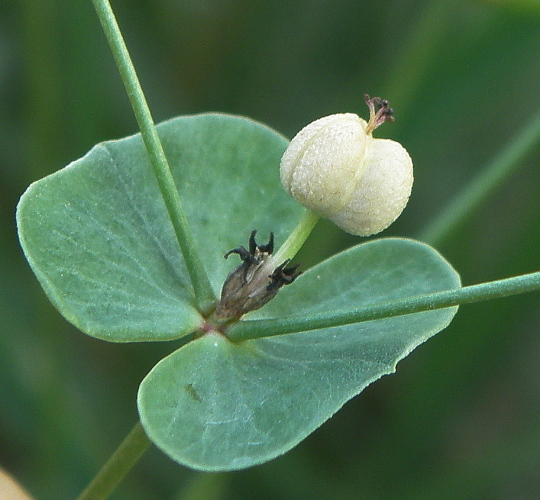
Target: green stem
<point>246,330</point>
<point>205,486</point>
<point>297,238</point>
<point>485,183</point>
<point>203,291</point>
<point>118,465</point>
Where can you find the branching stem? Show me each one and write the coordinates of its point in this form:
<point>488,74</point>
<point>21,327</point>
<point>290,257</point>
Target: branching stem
<point>252,329</point>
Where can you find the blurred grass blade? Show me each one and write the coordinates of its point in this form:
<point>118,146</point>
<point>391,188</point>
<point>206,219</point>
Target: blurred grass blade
<point>416,54</point>
<point>484,185</point>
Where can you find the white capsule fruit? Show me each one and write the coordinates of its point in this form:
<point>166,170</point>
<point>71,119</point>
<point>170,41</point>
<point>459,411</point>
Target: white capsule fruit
<point>334,167</point>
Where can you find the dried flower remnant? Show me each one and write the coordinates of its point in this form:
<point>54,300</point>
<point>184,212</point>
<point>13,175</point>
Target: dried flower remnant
<point>255,281</point>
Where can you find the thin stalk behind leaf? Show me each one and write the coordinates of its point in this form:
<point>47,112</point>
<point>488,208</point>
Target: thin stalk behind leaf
<point>252,329</point>
<point>203,291</point>
<point>118,465</point>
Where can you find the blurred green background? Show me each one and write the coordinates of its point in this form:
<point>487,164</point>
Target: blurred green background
<point>461,418</point>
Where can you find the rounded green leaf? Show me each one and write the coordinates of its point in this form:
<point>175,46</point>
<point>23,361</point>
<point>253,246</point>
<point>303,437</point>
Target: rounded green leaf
<point>100,241</point>
<point>216,405</point>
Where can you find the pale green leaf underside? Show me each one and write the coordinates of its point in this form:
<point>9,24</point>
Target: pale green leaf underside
<point>101,243</point>
<point>215,405</point>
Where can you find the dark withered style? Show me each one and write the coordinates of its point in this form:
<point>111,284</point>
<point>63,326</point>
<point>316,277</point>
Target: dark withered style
<point>254,282</point>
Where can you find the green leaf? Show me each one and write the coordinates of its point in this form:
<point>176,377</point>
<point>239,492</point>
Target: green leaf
<point>100,241</point>
<point>215,405</point>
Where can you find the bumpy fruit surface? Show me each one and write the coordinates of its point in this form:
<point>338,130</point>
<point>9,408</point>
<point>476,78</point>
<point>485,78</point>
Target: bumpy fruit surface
<point>334,167</point>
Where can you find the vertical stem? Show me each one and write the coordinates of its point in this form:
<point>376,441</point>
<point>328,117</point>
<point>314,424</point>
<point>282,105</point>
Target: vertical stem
<point>199,279</point>
<point>43,87</point>
<point>118,465</point>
